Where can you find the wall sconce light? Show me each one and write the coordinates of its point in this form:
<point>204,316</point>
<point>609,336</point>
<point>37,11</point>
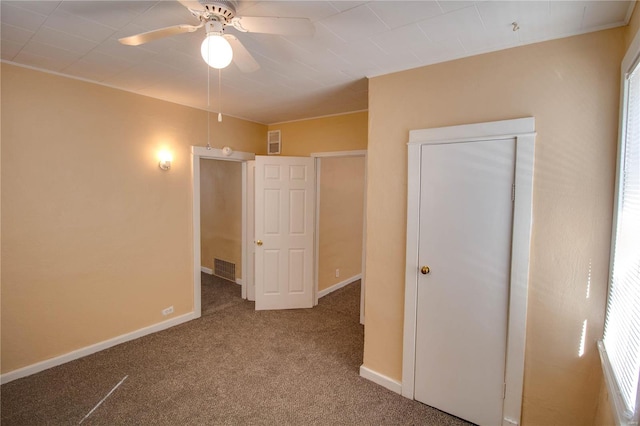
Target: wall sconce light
<point>165,160</point>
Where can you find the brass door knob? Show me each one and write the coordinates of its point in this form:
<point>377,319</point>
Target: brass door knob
<point>425,270</point>
<point>259,242</point>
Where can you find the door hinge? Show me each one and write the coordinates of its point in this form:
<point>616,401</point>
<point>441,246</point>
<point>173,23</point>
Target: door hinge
<point>513,192</point>
<point>504,390</point>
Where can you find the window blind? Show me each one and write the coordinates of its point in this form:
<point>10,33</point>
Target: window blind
<point>622,324</point>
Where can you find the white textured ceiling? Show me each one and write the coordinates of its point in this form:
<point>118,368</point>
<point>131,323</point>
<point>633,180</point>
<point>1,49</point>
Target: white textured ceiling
<point>299,77</point>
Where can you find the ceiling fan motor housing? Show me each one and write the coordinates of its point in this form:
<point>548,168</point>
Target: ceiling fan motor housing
<point>221,10</point>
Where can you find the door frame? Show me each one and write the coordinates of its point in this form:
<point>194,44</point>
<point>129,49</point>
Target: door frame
<point>198,153</point>
<point>523,131</point>
<point>318,158</point>
<point>249,238</point>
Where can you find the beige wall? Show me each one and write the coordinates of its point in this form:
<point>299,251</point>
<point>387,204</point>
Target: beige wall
<point>341,219</point>
<point>346,132</point>
<point>96,239</point>
<point>221,212</point>
<point>571,87</point>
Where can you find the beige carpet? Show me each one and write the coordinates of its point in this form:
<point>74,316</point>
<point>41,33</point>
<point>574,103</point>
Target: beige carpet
<point>232,366</point>
<point>218,294</point>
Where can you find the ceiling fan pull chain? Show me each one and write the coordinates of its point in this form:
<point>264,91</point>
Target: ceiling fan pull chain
<point>208,108</point>
<point>219,95</point>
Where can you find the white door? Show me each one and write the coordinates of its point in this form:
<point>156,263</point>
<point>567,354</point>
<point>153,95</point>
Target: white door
<point>284,213</point>
<point>466,213</point>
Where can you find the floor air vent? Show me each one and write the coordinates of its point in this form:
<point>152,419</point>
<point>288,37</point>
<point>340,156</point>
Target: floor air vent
<point>224,269</point>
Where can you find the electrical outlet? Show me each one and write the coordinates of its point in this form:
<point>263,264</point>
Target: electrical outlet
<point>167,311</point>
<point>338,273</point>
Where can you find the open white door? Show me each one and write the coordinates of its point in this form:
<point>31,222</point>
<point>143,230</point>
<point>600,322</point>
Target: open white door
<point>284,225</point>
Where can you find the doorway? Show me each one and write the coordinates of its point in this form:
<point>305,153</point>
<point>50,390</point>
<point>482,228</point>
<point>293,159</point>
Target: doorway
<point>468,235</point>
<point>202,153</point>
<point>248,232</point>
<point>220,232</point>
<point>340,221</point>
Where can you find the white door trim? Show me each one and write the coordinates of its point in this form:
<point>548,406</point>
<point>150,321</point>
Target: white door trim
<point>249,238</point>
<point>197,153</point>
<point>318,158</point>
<point>358,153</point>
<point>523,130</point>
<point>316,231</point>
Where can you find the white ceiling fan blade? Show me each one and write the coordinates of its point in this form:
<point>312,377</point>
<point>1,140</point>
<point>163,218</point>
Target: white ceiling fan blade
<point>138,39</point>
<point>272,25</point>
<point>192,5</point>
<point>241,56</point>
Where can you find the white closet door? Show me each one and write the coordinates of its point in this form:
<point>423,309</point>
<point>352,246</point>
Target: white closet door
<point>466,213</point>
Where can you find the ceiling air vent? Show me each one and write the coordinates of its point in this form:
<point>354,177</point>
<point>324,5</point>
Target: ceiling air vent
<point>273,142</point>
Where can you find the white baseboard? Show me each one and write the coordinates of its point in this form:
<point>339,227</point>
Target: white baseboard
<point>339,285</point>
<point>381,379</point>
<point>88,350</point>
<point>239,281</point>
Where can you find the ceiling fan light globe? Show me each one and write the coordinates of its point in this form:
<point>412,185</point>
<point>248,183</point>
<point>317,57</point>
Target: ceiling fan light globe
<point>216,51</point>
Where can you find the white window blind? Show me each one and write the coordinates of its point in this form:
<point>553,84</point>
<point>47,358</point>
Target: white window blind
<point>622,324</point>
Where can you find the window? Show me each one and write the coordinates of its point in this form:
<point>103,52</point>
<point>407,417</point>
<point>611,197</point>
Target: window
<point>620,347</point>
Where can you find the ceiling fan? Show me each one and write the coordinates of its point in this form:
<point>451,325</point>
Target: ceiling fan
<point>218,49</point>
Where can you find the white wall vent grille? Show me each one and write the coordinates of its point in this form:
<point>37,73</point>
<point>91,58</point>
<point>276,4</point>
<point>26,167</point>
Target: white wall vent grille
<point>274,142</point>
<point>224,269</point>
